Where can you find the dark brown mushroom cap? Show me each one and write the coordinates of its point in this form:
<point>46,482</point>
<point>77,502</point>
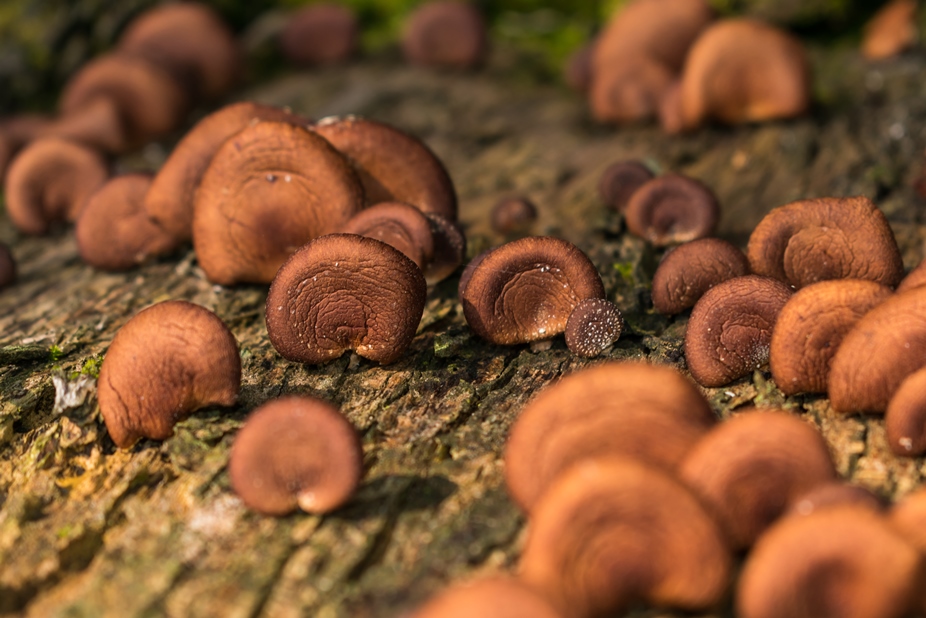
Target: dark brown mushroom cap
<point>295,452</point>
<point>844,561</point>
<point>50,181</point>
<point>345,292</point>
<point>691,269</point>
<point>648,412</point>
<point>914,278</point>
<point>269,189</point>
<point>672,209</point>
<point>577,72</point>
<point>832,495</point>
<point>445,34</point>
<point>905,418</point>
<point>882,349</point>
<point>168,361</point>
<point>468,271</point>
<point>512,214</point>
<point>525,290</point>
<point>593,326</point>
<point>908,517</point>
<point>621,180</point>
<point>730,329</point>
<point>172,194</point>
<point>825,238</point>
<point>488,597</point>
<point>449,248</point>
<point>751,467</point>
<point>320,34</point>
<point>891,30</point>
<point>612,532</point>
<point>811,326</point>
<point>399,225</point>
<point>114,232</point>
<point>7,267</point>
<point>393,166</point>
<point>629,89</point>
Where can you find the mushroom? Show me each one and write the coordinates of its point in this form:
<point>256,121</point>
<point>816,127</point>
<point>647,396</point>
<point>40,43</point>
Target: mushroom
<point>908,517</point>
<point>270,188</point>
<point>97,123</point>
<point>399,225</point>
<point>812,325</point>
<point>7,267</point>
<point>168,361</point>
<point>891,30</point>
<point>825,238</point>
<point>905,418</point>
<point>525,290</point>
<point>488,597</point>
<point>648,412</point>
<point>593,326</point>
<point>834,494</point>
<point>577,72</point>
<point>749,469</point>
<point>295,451</point>
<point>629,89</point>
<point>691,269</point>
<point>613,532</point>
<point>672,209</point>
<point>914,278</point>
<point>449,248</point>
<point>50,181</point>
<point>843,561</point>
<point>619,181</point>
<point>345,292</point>
<point>445,34</point>
<point>513,214</point>
<point>730,329</point>
<point>320,34</point>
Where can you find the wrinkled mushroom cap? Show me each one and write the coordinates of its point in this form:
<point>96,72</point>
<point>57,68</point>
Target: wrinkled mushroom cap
<point>445,34</point>
<point>621,180</point>
<point>691,269</point>
<point>905,417</point>
<point>891,30</point>
<point>593,326</point>
<point>401,226</point>
<point>320,34</point>
<point>488,597</point>
<point>672,209</point>
<point>7,267</point>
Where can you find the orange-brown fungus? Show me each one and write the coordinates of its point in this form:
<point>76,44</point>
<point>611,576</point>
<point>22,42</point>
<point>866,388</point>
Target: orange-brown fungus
<point>691,269</point>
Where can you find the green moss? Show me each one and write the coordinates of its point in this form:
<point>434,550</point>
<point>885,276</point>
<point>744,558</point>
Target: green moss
<point>55,353</point>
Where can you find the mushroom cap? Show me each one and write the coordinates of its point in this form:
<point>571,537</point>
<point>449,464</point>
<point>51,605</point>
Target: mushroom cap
<point>749,469</point>
<point>393,166</point>
<point>320,34</point>
<point>611,532</point>
<point>97,123</point>
<point>445,34</point>
<point>834,494</point>
<point>345,292</point>
<point>399,225</point>
<point>577,72</point>
<point>449,248</point>
<point>172,194</point>
<point>168,361</point>
<point>621,180</point>
<point>825,238</point>
<point>50,181</point>
<point>672,209</point>
<point>296,452</point>
<point>908,517</point>
<point>593,326</point>
<point>488,597</point>
<point>691,269</point>
<point>648,412</point>
<point>269,189</point>
<point>7,267</point>
<point>525,290</point>
<point>891,30</point>
<point>629,89</point>
<point>743,70</point>
<point>843,561</point>
<point>878,353</point>
<point>914,278</point>
<point>730,329</point>
<point>905,418</point>
<point>513,214</point>
<point>811,326</point>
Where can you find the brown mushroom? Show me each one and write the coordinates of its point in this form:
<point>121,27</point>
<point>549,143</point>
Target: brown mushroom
<point>399,225</point>
<point>648,412</point>
<point>905,417</point>
<point>97,123</point>
<point>513,214</point>
<point>629,89</point>
<point>619,181</point>
<point>488,597</point>
<point>320,34</point>
<point>7,267</point>
<point>525,290</point>
<point>593,326</point>
<point>345,292</point>
<point>295,452</point>
<point>269,189</point>
<point>914,278</point>
<point>672,209</point>
<point>445,34</point>
<point>891,30</point>
<point>577,72</point>
<point>832,495</point>
<point>168,361</point>
<point>812,325</point>
<point>730,329</point>
<point>613,532</point>
<point>749,469</point>
<point>825,238</point>
<point>691,269</point>
<point>449,248</point>
<point>908,517</point>
<point>50,181</point>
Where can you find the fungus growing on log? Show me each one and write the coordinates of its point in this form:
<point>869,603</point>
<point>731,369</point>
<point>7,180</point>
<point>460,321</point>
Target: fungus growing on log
<point>445,34</point>
<point>629,89</point>
<point>7,267</point>
<point>905,417</point>
<point>513,214</point>
<point>488,597</point>
<point>320,34</point>
<point>891,30</point>
<point>619,181</point>
<point>691,269</point>
<point>401,226</point>
<point>449,248</point>
<point>908,517</point>
<point>914,278</point>
<point>834,494</point>
<point>593,326</point>
<point>672,209</point>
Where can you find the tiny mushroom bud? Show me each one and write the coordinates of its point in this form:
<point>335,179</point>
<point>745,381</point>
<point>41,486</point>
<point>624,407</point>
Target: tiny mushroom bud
<point>168,361</point>
<point>834,494</point>
<point>891,31</point>
<point>294,452</point>
<point>513,214</point>
<point>691,269</point>
<point>7,267</point>
<point>320,34</point>
<point>730,329</point>
<point>399,225</point>
<point>619,181</point>
<point>489,597</point>
<point>905,418</point>
<point>449,248</point>
<point>672,209</point>
<point>593,326</point>
<point>445,34</point>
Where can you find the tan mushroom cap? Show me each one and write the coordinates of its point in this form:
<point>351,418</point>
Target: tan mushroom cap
<point>749,469</point>
<point>730,329</point>
<point>593,326</point>
<point>7,267</point>
<point>168,361</point>
<point>525,290</point>
<point>691,269</point>
<point>891,30</point>
<point>908,517</point>
<point>296,452</point>
<point>844,561</point>
<point>672,209</point>
<point>825,238</point>
<point>445,34</point>
<point>513,214</point>
<point>320,34</point>
<point>613,532</point>
<point>619,181</point>
<point>648,412</point>
<point>345,292</point>
<point>812,325</point>
<point>914,278</point>
<point>399,225</point>
<point>832,495</point>
<point>882,349</point>
<point>629,89</point>
<point>905,417</point>
<point>50,181</point>
<point>488,597</point>
<point>270,188</point>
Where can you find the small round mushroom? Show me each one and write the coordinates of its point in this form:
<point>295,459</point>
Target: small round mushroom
<point>825,238</point>
<point>525,290</point>
<point>832,495</point>
<point>730,329</point>
<point>593,326</point>
<point>691,269</point>
<point>445,34</point>
<point>296,452</point>
<point>320,34</point>
<point>672,209</point>
<point>513,214</point>
<point>168,361</point>
<point>50,181</point>
<point>399,225</point>
<point>619,181</point>
<point>629,89</point>
<point>891,30</point>
<point>488,597</point>
<point>905,418</point>
<point>449,248</point>
<point>7,267</point>
<point>613,532</point>
<point>345,292</point>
